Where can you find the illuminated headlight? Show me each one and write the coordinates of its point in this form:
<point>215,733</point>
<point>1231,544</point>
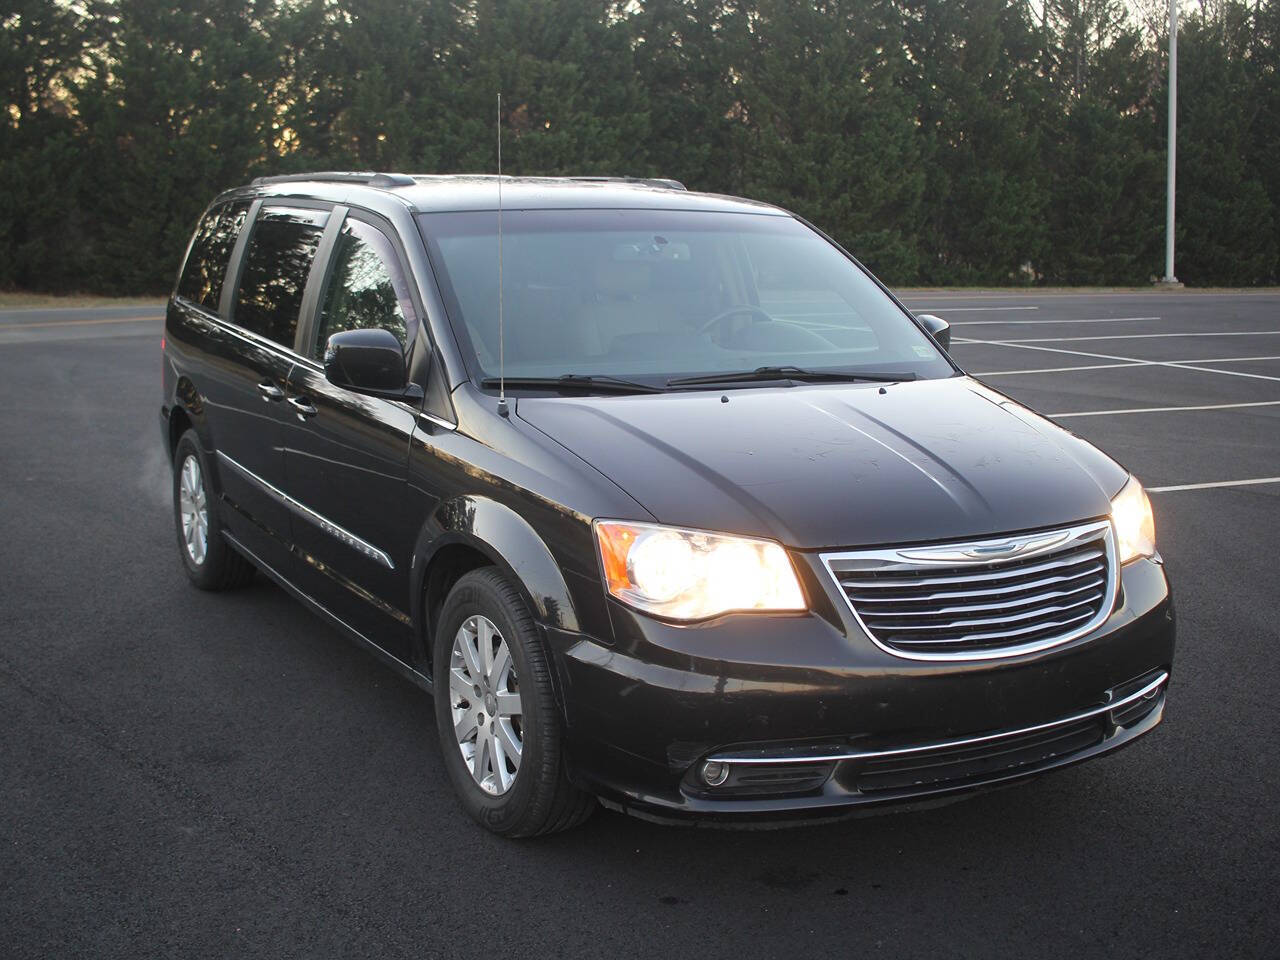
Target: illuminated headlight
<point>691,574</point>
<point>1135,526</point>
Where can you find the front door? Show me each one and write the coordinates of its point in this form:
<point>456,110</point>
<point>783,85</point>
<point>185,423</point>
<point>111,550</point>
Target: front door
<point>346,455</point>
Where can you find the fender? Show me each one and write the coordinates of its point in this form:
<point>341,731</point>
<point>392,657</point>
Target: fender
<point>507,539</point>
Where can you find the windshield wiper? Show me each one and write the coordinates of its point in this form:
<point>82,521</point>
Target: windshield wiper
<point>576,381</point>
<point>790,373</point>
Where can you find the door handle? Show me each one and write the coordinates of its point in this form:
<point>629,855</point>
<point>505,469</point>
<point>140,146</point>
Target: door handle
<point>270,391</point>
<point>303,407</point>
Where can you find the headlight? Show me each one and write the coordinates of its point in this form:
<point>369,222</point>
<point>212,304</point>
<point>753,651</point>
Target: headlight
<point>1135,526</point>
<point>692,575</point>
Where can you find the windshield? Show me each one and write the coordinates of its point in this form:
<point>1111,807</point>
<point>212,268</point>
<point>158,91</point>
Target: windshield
<point>653,295</point>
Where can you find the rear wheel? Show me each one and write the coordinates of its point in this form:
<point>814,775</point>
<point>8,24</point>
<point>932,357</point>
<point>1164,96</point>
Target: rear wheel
<point>495,710</point>
<point>209,560</point>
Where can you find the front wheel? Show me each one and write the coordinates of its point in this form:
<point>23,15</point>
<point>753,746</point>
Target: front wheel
<point>209,560</point>
<point>496,712</point>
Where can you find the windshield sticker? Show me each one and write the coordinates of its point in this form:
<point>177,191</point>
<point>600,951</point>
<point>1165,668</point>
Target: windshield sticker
<point>927,353</point>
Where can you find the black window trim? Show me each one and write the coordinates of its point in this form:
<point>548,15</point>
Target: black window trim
<point>317,281</point>
<point>231,284</point>
<point>311,310</point>
<point>235,267</point>
<point>182,267</point>
<point>421,363</point>
<point>218,205</point>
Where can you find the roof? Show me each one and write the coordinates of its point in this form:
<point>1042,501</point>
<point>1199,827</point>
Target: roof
<point>453,193</point>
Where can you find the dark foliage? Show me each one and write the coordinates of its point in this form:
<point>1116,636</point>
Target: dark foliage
<point>942,141</point>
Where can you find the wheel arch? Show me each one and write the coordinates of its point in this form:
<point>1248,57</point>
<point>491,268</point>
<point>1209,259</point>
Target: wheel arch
<point>470,531</point>
<point>179,423</point>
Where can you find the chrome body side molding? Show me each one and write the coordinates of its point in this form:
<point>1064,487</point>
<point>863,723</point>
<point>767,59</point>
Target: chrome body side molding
<point>339,533</point>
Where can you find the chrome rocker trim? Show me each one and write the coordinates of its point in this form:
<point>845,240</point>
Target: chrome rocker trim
<point>324,523</point>
<point>851,754</point>
<point>979,552</point>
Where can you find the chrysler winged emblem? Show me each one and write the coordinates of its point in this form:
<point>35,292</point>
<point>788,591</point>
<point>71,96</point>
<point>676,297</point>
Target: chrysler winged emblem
<point>988,549</point>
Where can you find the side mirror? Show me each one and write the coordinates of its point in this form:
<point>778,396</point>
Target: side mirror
<point>367,361</point>
<point>940,329</point>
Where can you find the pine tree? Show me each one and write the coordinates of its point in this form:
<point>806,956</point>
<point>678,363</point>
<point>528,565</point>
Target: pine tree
<point>684,51</point>
<point>830,131</point>
<point>175,106</point>
<point>977,97</point>
<point>40,46</point>
<point>1226,222</point>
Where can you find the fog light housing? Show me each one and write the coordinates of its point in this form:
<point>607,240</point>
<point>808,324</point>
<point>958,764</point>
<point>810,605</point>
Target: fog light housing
<point>714,773</point>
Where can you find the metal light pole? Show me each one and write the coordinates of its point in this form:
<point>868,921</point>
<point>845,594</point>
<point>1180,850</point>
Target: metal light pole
<point>1169,278</point>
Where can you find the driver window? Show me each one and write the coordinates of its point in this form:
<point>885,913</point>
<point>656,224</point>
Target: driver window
<point>366,288</point>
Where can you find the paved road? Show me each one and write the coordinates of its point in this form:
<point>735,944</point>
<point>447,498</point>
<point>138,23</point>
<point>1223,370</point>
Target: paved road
<point>192,775</point>
<point>42,324</point>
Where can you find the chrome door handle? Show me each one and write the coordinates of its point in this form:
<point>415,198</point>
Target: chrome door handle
<point>303,407</point>
<point>270,391</point>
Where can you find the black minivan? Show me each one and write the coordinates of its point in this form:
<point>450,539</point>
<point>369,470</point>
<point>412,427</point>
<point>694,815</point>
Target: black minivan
<point>669,502</point>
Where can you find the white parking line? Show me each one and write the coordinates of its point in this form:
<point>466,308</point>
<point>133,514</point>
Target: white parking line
<point>1182,296</point>
<point>975,309</point>
<point>1146,336</point>
<point>1010,323</point>
<point>1207,406</point>
<point>1207,486</point>
<point>1176,364</point>
<point>1116,366</point>
<point>1089,366</point>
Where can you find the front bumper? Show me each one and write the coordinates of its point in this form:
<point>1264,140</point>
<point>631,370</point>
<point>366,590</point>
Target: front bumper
<point>810,718</point>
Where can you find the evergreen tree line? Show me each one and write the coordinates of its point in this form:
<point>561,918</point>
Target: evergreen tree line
<point>943,141</point>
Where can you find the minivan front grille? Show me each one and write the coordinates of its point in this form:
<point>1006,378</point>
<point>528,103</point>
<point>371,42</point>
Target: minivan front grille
<point>984,599</point>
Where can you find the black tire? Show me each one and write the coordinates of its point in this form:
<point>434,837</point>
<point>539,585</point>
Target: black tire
<point>540,800</point>
<point>220,567</point>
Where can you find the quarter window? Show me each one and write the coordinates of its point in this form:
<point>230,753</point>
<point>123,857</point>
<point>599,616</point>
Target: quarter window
<point>206,266</point>
<point>366,288</point>
<point>276,265</point>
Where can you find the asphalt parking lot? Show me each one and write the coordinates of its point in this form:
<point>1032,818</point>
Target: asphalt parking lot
<point>186,774</point>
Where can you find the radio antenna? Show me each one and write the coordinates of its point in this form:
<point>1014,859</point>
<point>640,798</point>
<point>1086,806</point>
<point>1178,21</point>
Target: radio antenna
<point>502,343</point>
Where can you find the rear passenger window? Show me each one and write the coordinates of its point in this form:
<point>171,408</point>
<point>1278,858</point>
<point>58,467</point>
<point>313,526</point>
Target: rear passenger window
<point>366,288</point>
<point>276,264</point>
<point>206,266</point>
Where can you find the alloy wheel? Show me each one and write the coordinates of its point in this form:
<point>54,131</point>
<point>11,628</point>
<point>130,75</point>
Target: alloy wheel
<point>484,701</point>
<point>193,507</point>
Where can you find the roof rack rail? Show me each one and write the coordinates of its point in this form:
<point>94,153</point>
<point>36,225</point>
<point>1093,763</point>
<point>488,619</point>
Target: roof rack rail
<point>663,182</point>
<point>370,179</point>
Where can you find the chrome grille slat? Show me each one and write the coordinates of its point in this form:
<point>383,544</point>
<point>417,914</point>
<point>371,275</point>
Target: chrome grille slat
<point>985,599</point>
<point>988,621</point>
<point>994,634</point>
<point>910,577</point>
<point>1095,583</point>
<point>994,591</point>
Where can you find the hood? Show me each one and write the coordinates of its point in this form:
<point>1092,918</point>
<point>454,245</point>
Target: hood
<point>841,465</point>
